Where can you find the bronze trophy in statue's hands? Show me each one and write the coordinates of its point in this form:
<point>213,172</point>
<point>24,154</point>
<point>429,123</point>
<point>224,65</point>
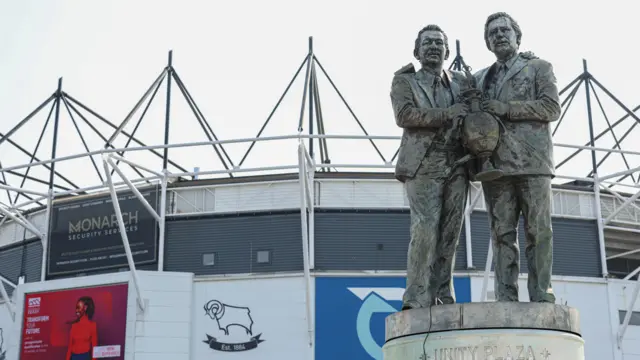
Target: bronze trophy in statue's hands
<point>480,132</point>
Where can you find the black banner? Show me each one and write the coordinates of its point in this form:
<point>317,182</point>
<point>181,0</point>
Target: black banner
<point>220,346</point>
<point>84,233</point>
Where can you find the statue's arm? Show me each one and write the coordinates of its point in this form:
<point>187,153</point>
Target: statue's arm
<point>546,107</point>
<point>407,114</point>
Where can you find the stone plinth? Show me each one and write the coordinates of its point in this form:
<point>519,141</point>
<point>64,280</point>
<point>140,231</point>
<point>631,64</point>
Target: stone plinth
<point>485,331</point>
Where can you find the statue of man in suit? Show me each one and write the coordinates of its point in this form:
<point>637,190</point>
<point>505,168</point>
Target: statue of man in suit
<point>521,91</point>
<point>424,107</point>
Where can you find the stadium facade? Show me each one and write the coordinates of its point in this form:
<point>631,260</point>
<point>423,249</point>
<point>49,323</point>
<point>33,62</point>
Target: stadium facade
<point>299,261</point>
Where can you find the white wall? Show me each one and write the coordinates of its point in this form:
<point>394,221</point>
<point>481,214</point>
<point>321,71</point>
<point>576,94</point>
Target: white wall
<point>273,308</point>
<point>6,328</point>
<point>621,293</point>
<point>175,323</point>
<point>162,332</point>
<point>589,296</point>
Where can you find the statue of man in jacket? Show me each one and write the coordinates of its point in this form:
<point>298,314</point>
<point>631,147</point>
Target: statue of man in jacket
<point>424,105</point>
<point>520,90</point>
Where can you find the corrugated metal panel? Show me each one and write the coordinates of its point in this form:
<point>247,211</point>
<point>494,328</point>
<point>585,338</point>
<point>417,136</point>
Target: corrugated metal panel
<point>11,232</point>
<point>575,245</point>
<point>235,240</point>
<point>575,248</point>
<point>366,240</point>
<point>480,236</point>
<point>360,193</point>
<point>237,197</point>
<point>345,240</point>
<point>262,196</point>
<point>33,261</point>
<point>12,258</point>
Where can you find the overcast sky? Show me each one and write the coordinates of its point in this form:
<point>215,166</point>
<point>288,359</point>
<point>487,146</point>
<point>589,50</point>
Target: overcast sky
<point>236,58</point>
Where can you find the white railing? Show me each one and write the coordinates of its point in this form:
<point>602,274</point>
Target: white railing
<point>157,175</point>
<point>358,193</point>
<point>224,198</point>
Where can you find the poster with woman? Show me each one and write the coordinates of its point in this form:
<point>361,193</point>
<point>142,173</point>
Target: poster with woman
<point>75,324</point>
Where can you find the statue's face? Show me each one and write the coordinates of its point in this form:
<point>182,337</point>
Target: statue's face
<point>432,49</point>
<point>502,37</point>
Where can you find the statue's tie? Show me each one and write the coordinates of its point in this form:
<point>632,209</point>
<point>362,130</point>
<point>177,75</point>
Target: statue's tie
<point>438,93</point>
<point>502,71</point>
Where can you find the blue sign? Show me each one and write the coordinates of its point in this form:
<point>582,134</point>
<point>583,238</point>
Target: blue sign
<point>350,314</point>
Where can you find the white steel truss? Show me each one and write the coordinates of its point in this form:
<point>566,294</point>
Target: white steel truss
<point>306,171</point>
<point>5,297</point>
<point>306,168</point>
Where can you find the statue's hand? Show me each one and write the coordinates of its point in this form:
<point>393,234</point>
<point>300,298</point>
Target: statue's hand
<point>495,107</point>
<point>457,110</point>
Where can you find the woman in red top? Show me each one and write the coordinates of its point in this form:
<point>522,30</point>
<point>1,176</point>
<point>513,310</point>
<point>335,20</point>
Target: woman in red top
<point>84,333</point>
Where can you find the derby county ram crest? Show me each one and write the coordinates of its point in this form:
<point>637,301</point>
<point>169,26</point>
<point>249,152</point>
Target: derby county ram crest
<point>235,326</point>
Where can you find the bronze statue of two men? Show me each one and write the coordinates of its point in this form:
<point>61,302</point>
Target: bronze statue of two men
<point>520,92</point>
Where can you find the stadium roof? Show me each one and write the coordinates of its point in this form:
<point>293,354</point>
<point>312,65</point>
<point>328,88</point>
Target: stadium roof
<point>33,169</point>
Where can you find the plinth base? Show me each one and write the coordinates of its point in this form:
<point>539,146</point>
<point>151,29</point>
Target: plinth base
<point>485,331</point>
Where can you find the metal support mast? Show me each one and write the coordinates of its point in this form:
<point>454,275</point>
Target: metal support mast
<point>594,172</point>
<point>315,119</point>
<point>458,62</point>
<point>170,74</point>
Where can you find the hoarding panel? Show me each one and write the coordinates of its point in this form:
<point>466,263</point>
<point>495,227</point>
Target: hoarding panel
<point>350,314</point>
<point>75,323</point>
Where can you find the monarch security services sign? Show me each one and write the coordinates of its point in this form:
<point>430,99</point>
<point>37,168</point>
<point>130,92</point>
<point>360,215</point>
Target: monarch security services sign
<point>84,233</point>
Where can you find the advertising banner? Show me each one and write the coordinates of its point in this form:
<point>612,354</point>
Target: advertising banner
<point>84,233</point>
<point>76,324</point>
<point>350,314</point>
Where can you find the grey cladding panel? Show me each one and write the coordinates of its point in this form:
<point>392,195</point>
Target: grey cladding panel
<point>576,248</point>
<point>480,237</point>
<point>27,256</point>
<point>235,240</point>
<point>345,240</point>
<point>575,245</point>
<point>366,240</point>
<point>12,258</point>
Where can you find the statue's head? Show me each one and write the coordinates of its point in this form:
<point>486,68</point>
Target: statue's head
<point>431,46</point>
<point>502,34</point>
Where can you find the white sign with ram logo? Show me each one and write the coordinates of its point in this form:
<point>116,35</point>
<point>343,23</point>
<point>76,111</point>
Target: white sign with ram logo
<point>260,318</point>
